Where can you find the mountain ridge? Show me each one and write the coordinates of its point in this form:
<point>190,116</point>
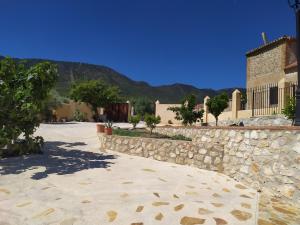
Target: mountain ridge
<point>169,93</point>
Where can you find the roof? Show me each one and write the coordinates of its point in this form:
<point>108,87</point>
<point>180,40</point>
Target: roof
<point>291,66</point>
<point>270,45</point>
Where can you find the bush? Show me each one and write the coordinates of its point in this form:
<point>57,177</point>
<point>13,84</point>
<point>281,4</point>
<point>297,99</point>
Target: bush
<point>290,110</point>
<point>79,116</point>
<point>143,106</point>
<point>134,120</point>
<point>170,122</point>
<point>152,121</point>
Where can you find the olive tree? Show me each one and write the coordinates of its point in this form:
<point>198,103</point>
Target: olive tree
<point>217,105</point>
<point>186,112</point>
<point>23,92</point>
<point>95,93</point>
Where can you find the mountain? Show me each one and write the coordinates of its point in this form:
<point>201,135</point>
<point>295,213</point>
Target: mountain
<point>74,71</point>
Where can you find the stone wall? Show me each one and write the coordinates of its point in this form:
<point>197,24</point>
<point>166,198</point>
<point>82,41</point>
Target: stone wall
<point>263,159</point>
<point>267,160</point>
<point>175,151</point>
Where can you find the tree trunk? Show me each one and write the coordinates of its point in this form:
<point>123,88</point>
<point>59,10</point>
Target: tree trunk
<point>216,121</point>
<point>96,114</point>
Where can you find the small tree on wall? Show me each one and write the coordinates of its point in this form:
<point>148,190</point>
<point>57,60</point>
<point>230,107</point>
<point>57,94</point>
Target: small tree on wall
<point>152,121</point>
<point>186,112</point>
<point>96,94</point>
<point>290,109</point>
<point>217,105</point>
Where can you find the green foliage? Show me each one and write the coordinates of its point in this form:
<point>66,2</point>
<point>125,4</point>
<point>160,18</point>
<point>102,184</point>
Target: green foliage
<point>143,106</point>
<point>217,105</point>
<point>134,120</point>
<point>146,134</point>
<point>109,124</point>
<point>53,101</point>
<point>23,92</point>
<point>290,109</point>
<point>186,112</point>
<point>96,94</point>
<point>79,116</point>
<point>152,121</point>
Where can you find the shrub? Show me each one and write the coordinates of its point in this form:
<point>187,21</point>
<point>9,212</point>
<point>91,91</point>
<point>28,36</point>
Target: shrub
<point>170,122</point>
<point>134,120</point>
<point>152,121</point>
<point>79,116</point>
<point>290,109</point>
<point>186,112</point>
<point>217,105</point>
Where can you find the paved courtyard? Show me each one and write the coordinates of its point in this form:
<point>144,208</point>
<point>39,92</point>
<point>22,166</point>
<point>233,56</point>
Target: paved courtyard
<point>73,182</point>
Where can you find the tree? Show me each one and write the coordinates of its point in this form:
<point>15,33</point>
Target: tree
<point>217,105</point>
<point>290,109</point>
<point>143,106</point>
<point>134,120</point>
<point>23,92</point>
<point>186,112</point>
<point>95,93</point>
<point>152,121</point>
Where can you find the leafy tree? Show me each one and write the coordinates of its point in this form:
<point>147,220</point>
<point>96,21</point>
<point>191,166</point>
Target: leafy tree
<point>23,92</point>
<point>186,112</point>
<point>217,105</point>
<point>152,121</point>
<point>134,120</point>
<point>96,94</point>
<point>290,109</point>
<point>143,106</point>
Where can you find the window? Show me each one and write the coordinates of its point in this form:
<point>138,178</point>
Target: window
<point>273,95</point>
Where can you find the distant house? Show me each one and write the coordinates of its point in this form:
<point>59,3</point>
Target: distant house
<point>271,75</point>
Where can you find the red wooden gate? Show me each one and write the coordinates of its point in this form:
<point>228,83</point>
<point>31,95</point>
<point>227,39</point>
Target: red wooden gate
<point>117,112</point>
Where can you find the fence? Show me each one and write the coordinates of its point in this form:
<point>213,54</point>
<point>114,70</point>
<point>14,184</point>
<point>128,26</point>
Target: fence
<point>269,99</point>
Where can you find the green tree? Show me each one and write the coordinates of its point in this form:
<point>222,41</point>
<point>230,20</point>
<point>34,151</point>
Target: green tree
<point>23,92</point>
<point>217,105</point>
<point>96,94</point>
<point>186,112</point>
<point>290,109</point>
<point>134,120</point>
<point>143,106</point>
<point>152,121</point>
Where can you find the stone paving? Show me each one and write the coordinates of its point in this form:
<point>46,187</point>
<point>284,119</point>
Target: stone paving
<point>73,182</point>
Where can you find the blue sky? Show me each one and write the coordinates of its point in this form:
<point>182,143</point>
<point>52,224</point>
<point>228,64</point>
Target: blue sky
<point>198,42</point>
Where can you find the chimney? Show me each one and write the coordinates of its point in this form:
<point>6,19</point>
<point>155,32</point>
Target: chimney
<point>264,37</point>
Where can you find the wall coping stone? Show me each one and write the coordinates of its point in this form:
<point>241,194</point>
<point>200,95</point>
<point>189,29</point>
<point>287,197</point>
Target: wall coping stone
<point>270,128</point>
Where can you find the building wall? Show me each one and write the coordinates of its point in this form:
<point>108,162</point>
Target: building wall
<point>66,111</point>
<point>266,67</point>
<point>165,114</point>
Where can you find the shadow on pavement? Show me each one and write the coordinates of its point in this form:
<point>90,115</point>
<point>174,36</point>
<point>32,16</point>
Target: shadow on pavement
<point>56,159</point>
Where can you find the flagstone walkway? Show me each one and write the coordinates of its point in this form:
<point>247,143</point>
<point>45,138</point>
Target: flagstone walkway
<point>73,182</point>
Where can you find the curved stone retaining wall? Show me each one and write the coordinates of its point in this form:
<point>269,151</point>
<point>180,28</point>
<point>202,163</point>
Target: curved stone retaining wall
<point>180,152</point>
<point>263,159</point>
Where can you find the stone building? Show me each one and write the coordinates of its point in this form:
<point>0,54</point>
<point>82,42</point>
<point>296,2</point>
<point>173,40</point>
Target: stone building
<point>271,76</point>
<point>273,62</point>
